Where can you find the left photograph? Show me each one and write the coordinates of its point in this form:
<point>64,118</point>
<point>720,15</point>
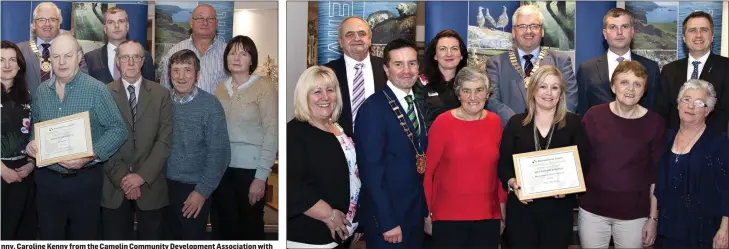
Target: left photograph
<point>139,120</point>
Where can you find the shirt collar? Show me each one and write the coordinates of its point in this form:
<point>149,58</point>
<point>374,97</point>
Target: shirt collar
<point>110,47</point>
<point>702,59</point>
<point>136,83</point>
<point>612,56</point>
<point>52,81</point>
<point>216,41</point>
<point>535,53</point>
<point>229,82</point>
<point>189,97</point>
<point>350,62</point>
<point>39,41</point>
<point>399,94</point>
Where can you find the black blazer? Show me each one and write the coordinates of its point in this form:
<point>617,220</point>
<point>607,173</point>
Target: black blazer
<point>340,68</point>
<point>593,80</point>
<point>97,62</point>
<point>673,75</point>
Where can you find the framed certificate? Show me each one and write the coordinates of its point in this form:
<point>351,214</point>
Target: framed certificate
<point>63,138</point>
<point>548,173</point>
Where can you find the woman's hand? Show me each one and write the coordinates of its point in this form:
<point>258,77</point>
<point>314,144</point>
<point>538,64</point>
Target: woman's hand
<point>9,175</point>
<point>649,232</point>
<point>515,187</point>
<point>721,239</point>
<point>337,224</point>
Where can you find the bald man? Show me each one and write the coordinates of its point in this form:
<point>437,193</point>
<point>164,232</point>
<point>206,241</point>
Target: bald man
<point>69,192</point>
<point>206,45</point>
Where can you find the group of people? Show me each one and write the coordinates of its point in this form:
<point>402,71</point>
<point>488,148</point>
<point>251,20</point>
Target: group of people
<point>379,150</point>
<point>166,156</point>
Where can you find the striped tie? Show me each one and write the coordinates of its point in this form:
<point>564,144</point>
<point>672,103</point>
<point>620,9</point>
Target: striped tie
<point>358,92</point>
<point>411,114</point>
<point>46,55</point>
<point>133,103</point>
<point>695,73</point>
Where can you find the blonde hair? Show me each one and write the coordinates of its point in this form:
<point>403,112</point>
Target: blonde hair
<point>539,76</point>
<point>308,81</point>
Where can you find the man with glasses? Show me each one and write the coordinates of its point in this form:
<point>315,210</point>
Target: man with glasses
<point>510,71</point>
<point>101,62</point>
<point>46,26</point>
<point>206,45</point>
<point>593,76</point>
<point>701,63</point>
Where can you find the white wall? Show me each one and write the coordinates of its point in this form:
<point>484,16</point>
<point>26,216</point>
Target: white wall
<point>261,25</point>
<point>296,21</point>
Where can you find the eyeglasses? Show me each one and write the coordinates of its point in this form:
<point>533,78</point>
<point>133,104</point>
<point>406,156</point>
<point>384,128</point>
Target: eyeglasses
<point>523,27</point>
<point>697,103</point>
<point>49,20</point>
<point>126,58</point>
<point>200,20</point>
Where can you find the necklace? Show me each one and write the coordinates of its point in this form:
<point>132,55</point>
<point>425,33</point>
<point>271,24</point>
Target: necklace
<point>537,146</point>
<point>681,149</point>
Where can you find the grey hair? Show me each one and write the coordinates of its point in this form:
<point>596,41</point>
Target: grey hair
<point>468,74</point>
<point>44,5</point>
<point>699,85</point>
<point>526,10</point>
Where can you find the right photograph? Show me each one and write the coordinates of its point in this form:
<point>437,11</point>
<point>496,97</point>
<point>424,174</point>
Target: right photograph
<point>504,124</point>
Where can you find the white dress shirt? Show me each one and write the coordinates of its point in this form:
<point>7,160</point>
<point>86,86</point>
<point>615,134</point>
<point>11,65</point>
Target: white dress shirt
<point>111,54</point>
<point>369,80</point>
<point>136,87</point>
<point>691,65</point>
<point>400,95</point>
<point>613,61</point>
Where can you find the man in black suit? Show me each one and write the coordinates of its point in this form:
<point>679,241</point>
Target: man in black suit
<point>359,74</point>
<point>698,34</point>
<point>100,62</point>
<point>593,76</point>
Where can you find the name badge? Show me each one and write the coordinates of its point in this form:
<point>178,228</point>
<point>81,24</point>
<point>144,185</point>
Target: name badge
<point>432,94</point>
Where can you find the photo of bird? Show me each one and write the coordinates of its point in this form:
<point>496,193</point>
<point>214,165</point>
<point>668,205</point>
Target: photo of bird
<point>503,19</point>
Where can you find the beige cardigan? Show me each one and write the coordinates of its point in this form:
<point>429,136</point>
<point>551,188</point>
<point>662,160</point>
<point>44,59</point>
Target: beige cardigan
<point>251,115</point>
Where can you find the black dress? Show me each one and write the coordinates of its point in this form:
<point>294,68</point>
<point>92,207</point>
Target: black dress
<point>545,222</point>
<point>19,214</point>
<point>433,100</point>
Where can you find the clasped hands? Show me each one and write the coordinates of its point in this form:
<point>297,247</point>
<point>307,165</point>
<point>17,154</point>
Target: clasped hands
<point>337,224</point>
<point>131,184</point>
<point>516,187</point>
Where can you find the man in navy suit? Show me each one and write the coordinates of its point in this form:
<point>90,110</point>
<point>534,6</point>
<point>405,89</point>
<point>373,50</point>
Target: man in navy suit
<point>100,62</point>
<point>359,73</point>
<point>391,139</point>
<point>593,76</point>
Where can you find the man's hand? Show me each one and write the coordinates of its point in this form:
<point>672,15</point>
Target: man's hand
<point>9,175</point>
<point>255,192</point>
<point>25,170</point>
<point>131,181</point>
<point>133,194</point>
<point>75,163</point>
<point>428,225</point>
<point>31,149</point>
<point>193,205</point>
<point>721,239</point>
<point>394,235</point>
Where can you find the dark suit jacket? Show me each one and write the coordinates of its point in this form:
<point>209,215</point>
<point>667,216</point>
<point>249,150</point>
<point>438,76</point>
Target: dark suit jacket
<point>673,75</point>
<point>32,66</point>
<point>593,80</point>
<point>146,148</point>
<point>392,190</point>
<point>509,95</point>
<point>340,68</point>
<point>98,63</point>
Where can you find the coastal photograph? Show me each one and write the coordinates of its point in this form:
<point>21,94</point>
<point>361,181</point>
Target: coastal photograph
<point>656,24</point>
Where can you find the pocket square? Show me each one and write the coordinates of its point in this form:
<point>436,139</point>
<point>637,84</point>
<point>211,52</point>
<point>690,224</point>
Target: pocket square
<point>431,94</point>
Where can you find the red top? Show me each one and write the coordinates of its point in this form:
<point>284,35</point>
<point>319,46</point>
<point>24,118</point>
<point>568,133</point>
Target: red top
<point>460,178</point>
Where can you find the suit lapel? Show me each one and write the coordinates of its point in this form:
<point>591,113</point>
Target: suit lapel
<point>145,97</point>
<point>378,73</point>
<point>706,71</point>
<point>602,68</point>
<point>105,62</point>
<point>403,111</point>
<point>682,70</point>
<point>341,71</point>
<point>120,96</point>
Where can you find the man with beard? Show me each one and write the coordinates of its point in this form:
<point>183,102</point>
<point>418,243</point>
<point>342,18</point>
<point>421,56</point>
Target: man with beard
<point>510,71</point>
<point>701,63</point>
<point>593,76</point>
<point>359,73</point>
<point>391,140</point>
<point>45,27</point>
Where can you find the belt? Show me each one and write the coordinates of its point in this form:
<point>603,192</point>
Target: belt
<point>70,173</point>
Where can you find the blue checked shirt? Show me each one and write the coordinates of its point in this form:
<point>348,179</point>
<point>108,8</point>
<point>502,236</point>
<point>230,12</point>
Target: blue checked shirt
<point>83,93</point>
<point>212,69</point>
<point>187,98</point>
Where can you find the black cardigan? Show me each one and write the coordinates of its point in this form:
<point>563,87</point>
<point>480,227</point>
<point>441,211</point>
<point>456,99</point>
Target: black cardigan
<point>317,170</point>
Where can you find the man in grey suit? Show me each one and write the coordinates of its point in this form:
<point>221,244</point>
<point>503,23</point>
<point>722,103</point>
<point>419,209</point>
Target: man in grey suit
<point>508,70</point>
<point>101,61</point>
<point>46,26</point>
<point>134,182</point>
<point>593,75</point>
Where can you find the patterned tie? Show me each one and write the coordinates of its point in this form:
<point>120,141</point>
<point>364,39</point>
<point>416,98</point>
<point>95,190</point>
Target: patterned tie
<point>528,66</point>
<point>132,103</point>
<point>358,92</point>
<point>695,74</point>
<point>411,114</point>
<point>117,74</point>
<point>46,54</point>
<point>620,59</point>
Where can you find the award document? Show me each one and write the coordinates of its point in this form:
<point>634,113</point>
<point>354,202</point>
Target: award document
<point>63,138</point>
<point>548,173</point>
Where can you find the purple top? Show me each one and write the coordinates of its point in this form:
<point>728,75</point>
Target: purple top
<point>623,162</point>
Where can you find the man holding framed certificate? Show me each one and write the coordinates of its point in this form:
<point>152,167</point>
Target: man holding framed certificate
<point>77,125</point>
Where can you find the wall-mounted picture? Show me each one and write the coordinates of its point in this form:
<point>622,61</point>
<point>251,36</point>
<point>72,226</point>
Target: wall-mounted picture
<point>714,9</point>
<point>655,24</point>
<point>88,25</point>
<point>559,24</point>
<point>489,26</point>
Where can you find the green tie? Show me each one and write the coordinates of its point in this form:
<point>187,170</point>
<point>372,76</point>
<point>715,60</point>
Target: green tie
<point>411,114</point>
